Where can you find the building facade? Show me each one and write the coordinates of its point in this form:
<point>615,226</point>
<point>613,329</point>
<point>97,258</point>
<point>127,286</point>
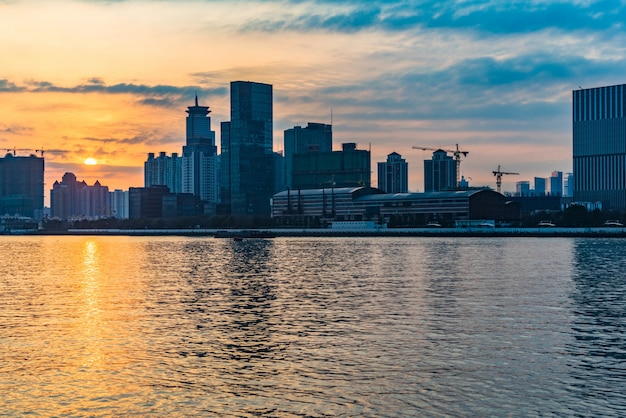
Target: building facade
<point>349,167</point>
<point>22,186</point>
<point>556,183</point>
<point>599,145</point>
<point>393,175</point>
<point>317,137</point>
<point>199,168</point>
<point>440,172</point>
<point>247,157</point>
<point>163,170</point>
<point>119,203</point>
<point>72,199</point>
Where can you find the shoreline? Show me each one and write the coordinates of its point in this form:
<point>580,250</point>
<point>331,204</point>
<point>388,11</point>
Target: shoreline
<point>599,232</point>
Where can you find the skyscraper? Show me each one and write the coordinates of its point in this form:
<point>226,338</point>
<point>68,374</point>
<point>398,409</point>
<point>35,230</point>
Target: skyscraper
<point>440,172</point>
<point>21,186</point>
<point>393,175</point>
<point>70,198</point>
<point>316,137</point>
<point>556,183</point>
<point>163,170</point>
<point>200,161</point>
<point>540,186</point>
<point>247,157</point>
<point>599,145</point>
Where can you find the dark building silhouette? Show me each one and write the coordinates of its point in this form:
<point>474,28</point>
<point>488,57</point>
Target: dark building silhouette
<point>393,175</point>
<point>440,172</point>
<point>21,186</point>
<point>599,145</point>
<point>247,157</point>
<point>158,202</point>
<point>349,167</point>
<point>75,199</point>
<point>297,140</point>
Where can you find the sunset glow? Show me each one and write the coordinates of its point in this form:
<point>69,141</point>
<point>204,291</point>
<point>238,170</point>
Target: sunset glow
<point>114,79</point>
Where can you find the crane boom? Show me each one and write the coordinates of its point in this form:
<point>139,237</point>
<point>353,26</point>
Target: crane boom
<point>457,156</point>
<point>498,175</point>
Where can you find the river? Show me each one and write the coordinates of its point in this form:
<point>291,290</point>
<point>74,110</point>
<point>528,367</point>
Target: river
<point>316,327</point>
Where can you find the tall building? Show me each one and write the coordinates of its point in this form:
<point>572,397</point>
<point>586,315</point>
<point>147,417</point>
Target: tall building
<point>247,157</point>
<point>119,203</point>
<point>393,175</point>
<point>349,167</point>
<point>556,183</point>
<point>440,172</point>
<point>75,199</point>
<point>522,188</point>
<point>599,145</point>
<point>199,161</point>
<point>540,186</point>
<point>297,140</point>
<point>21,186</point>
<point>163,171</point>
<point>569,185</point>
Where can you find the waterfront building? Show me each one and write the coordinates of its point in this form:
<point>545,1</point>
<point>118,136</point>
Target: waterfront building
<point>163,170</point>
<point>556,183</point>
<point>199,168</point>
<point>440,172</point>
<point>599,145</point>
<point>315,137</point>
<point>72,199</point>
<point>119,203</point>
<point>569,185</point>
<point>315,207</point>
<point>349,167</point>
<point>22,186</point>
<point>247,157</point>
<point>158,202</point>
<point>393,175</point>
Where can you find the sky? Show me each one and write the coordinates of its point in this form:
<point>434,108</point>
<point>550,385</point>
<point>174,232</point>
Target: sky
<point>111,80</point>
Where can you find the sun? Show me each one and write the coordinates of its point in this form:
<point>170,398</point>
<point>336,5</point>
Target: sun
<point>91,161</point>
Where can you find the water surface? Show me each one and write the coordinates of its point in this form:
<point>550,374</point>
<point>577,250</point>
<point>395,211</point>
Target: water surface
<point>178,326</point>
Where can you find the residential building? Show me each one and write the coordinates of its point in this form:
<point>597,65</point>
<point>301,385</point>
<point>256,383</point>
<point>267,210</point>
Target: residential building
<point>22,186</point>
<point>119,203</point>
<point>200,175</point>
<point>72,199</point>
<point>349,167</point>
<point>164,170</point>
<point>599,145</point>
<point>393,175</point>
<point>247,157</point>
<point>316,137</point>
<point>440,172</point>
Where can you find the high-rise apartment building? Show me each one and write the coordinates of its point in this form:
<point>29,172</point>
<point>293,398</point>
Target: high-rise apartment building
<point>247,157</point>
<point>315,137</point>
<point>440,172</point>
<point>164,170</point>
<point>199,161</point>
<point>119,203</point>
<point>70,198</point>
<point>393,175</point>
<point>599,145</point>
<point>21,186</point>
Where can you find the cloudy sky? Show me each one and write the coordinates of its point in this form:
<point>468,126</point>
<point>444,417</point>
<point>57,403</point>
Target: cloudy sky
<point>111,80</point>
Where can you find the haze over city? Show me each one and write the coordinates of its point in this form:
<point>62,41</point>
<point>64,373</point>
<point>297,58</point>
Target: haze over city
<point>111,81</point>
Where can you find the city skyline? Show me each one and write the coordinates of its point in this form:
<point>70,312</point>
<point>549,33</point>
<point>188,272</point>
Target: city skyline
<point>111,80</point>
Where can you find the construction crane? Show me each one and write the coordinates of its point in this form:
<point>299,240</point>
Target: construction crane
<point>457,156</point>
<point>498,175</point>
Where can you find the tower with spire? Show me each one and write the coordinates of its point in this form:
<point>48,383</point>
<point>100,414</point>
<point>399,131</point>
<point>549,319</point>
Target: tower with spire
<point>200,164</point>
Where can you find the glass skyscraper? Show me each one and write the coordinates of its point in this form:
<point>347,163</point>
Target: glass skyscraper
<point>315,137</point>
<point>21,186</point>
<point>599,145</point>
<point>247,157</point>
